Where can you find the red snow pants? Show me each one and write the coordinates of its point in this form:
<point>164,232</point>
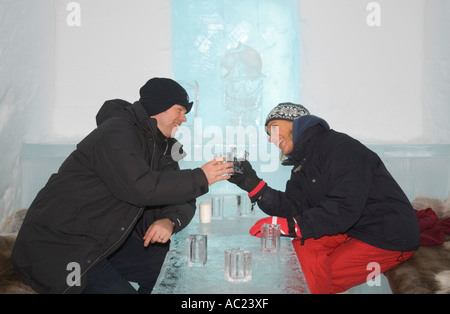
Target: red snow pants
<point>334,264</point>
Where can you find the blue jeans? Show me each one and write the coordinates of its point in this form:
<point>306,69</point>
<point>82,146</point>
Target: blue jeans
<point>131,262</point>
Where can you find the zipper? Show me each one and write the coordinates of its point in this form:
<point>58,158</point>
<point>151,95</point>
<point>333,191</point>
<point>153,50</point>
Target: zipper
<point>154,145</point>
<point>126,232</point>
<point>106,253</point>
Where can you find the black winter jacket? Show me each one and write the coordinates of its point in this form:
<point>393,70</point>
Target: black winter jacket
<point>339,186</point>
<point>120,174</point>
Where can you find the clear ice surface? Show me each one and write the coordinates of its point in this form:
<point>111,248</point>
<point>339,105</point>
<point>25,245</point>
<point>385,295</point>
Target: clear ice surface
<point>271,273</point>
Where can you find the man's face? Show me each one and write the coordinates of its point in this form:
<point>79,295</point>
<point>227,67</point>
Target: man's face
<point>280,134</point>
<point>168,121</point>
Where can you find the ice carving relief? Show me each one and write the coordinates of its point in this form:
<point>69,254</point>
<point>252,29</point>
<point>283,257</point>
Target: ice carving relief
<point>242,86</point>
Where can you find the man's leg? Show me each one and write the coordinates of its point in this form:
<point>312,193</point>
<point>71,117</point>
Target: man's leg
<point>138,263</point>
<point>104,279</point>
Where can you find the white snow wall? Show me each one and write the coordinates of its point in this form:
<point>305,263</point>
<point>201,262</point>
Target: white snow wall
<point>386,84</point>
<point>380,84</point>
<point>118,46</point>
<point>26,87</point>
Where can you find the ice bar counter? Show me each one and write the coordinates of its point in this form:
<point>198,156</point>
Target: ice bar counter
<point>271,272</point>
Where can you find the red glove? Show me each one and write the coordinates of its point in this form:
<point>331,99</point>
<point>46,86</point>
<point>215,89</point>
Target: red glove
<point>288,227</point>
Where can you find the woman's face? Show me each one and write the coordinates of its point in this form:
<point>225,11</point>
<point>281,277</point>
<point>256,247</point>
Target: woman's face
<point>280,134</point>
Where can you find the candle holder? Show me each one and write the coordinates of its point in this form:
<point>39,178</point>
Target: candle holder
<point>205,212</point>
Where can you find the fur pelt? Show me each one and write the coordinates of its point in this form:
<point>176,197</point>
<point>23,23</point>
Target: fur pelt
<point>9,282</point>
<point>428,270</point>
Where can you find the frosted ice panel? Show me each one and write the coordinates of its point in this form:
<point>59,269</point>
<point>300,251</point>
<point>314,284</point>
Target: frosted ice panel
<point>420,170</point>
<point>402,171</point>
<point>432,177</point>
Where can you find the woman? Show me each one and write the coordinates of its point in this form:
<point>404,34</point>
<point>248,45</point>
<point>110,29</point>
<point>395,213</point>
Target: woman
<point>346,212</point>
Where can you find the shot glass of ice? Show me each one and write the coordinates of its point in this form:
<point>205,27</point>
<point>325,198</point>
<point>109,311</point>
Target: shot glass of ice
<point>238,265</point>
<point>196,250</point>
<point>270,238</point>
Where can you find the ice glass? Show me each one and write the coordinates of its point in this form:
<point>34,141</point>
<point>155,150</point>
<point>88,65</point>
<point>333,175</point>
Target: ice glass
<point>270,238</point>
<point>238,265</point>
<point>217,202</point>
<point>196,250</point>
<point>244,206</point>
<point>237,155</point>
<point>218,157</point>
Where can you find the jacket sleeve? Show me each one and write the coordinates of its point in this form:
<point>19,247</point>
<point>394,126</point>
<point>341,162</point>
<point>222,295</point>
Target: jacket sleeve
<point>180,214</point>
<point>118,158</point>
<point>330,206</point>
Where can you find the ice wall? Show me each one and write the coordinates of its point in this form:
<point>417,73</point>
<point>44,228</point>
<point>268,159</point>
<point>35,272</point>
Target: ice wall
<point>367,81</point>
<point>26,87</point>
<point>364,80</point>
<point>436,80</point>
<point>244,55</point>
<point>381,84</point>
<point>113,50</point>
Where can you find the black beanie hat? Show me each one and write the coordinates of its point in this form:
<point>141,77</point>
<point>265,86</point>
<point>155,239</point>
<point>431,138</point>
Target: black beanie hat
<point>160,94</point>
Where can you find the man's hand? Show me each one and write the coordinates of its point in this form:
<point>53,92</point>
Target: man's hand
<point>159,232</point>
<point>216,170</point>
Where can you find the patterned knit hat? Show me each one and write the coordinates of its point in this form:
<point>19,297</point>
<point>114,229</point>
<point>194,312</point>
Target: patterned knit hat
<point>286,111</point>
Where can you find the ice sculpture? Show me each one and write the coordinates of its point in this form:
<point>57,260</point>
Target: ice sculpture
<point>243,54</point>
<point>242,86</point>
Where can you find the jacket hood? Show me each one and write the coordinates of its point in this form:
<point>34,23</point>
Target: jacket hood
<point>136,112</point>
<point>303,123</point>
<point>120,108</point>
<point>300,126</point>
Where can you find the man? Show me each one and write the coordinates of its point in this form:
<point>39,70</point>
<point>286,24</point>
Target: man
<point>106,217</point>
<point>347,214</point>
